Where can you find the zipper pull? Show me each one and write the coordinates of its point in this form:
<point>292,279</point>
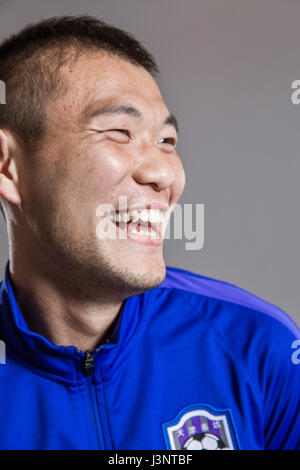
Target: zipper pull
<point>88,363</point>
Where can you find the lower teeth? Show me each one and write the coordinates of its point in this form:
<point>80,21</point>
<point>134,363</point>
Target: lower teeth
<point>150,233</point>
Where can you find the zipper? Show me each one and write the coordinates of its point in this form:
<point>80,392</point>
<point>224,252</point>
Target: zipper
<point>88,371</point>
<point>88,364</point>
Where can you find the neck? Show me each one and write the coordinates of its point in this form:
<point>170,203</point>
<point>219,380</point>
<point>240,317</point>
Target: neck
<point>57,302</point>
<point>62,315</point>
<point>85,325</point>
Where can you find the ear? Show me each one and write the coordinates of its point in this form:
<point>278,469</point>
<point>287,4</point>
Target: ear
<point>9,181</point>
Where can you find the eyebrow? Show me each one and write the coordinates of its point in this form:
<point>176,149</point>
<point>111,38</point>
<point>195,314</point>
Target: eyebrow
<point>120,108</point>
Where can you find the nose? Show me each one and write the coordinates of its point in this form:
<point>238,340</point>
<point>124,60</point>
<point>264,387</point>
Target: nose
<point>155,170</point>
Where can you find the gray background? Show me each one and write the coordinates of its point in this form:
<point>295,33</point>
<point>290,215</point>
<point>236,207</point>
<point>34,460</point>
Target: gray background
<point>226,72</point>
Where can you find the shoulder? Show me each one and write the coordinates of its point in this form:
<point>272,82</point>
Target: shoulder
<point>259,336</point>
<point>234,312</point>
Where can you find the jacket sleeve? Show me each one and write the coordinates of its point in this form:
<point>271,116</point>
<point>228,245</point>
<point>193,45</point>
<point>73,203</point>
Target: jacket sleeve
<point>281,388</point>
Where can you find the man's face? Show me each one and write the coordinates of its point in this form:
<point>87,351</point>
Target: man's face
<point>89,158</point>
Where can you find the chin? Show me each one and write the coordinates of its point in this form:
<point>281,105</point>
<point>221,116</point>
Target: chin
<point>143,279</point>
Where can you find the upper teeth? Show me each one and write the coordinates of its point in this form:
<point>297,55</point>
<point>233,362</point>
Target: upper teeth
<point>153,216</point>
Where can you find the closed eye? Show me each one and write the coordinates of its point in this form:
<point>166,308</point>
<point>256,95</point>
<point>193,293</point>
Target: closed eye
<point>122,136</point>
<point>165,140</point>
<point>124,131</point>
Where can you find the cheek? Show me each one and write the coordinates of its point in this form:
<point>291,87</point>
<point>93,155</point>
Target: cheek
<point>102,170</point>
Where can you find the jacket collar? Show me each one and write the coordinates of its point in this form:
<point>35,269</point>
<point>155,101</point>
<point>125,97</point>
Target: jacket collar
<point>64,363</point>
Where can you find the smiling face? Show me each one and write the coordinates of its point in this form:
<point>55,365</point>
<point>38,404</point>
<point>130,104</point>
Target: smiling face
<point>111,135</point>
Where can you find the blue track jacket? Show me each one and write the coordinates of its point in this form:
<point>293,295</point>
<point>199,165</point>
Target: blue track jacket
<point>195,363</point>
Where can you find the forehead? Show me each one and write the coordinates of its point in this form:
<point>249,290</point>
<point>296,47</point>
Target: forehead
<point>99,77</point>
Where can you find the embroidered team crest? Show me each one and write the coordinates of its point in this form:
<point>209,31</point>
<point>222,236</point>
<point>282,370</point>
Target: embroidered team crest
<point>201,427</point>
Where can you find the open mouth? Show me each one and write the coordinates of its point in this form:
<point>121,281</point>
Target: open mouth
<point>139,228</point>
<point>141,224</point>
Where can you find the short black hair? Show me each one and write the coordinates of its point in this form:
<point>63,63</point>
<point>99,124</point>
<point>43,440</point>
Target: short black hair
<point>30,63</point>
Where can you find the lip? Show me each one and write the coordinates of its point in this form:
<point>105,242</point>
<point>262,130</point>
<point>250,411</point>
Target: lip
<point>145,240</point>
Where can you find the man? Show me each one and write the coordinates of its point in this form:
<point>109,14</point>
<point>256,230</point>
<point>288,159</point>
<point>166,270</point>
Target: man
<point>105,347</point>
